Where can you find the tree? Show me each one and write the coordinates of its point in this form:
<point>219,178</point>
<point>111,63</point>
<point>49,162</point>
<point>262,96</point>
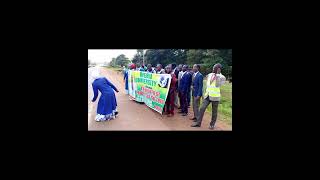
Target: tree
<point>150,56</point>
<point>214,56</point>
<point>226,54</point>
<point>159,56</point>
<point>206,57</point>
<point>195,56</point>
<point>122,60</point>
<point>140,52</point>
<point>113,62</point>
<point>138,57</point>
<point>179,56</point>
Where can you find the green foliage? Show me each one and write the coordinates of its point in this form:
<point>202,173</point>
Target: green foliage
<point>207,58</point>
<point>121,60</point>
<point>165,56</point>
<point>214,56</point>
<point>195,56</point>
<point>138,58</point>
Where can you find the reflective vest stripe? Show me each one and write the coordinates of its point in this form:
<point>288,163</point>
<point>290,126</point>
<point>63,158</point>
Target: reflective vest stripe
<point>211,89</point>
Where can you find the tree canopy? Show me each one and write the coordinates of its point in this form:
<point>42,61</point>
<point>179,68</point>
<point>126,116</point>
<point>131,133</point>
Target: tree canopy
<point>121,60</point>
<point>205,57</point>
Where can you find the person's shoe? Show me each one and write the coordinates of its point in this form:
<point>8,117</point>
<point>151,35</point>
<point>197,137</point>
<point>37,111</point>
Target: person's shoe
<point>211,127</point>
<point>195,125</point>
<point>116,113</point>
<point>184,114</point>
<point>170,115</point>
<point>179,107</point>
<point>180,112</point>
<point>165,113</point>
<point>193,118</point>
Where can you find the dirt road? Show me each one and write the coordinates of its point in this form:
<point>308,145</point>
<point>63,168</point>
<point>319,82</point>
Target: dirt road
<point>135,116</point>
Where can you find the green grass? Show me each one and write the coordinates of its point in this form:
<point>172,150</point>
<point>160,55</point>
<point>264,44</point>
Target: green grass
<point>225,106</point>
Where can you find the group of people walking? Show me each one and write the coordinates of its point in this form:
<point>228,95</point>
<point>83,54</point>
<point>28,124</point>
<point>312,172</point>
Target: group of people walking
<point>184,82</point>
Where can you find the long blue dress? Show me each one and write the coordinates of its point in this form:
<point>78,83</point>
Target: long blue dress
<point>107,103</point>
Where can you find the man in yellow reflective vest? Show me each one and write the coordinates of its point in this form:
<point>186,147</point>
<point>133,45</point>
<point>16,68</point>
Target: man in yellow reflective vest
<point>212,95</point>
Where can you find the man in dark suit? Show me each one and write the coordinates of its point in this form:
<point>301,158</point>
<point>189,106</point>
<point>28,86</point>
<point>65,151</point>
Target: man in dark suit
<point>197,84</point>
<point>184,86</point>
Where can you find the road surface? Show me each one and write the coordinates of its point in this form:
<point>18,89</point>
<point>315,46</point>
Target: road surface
<point>135,116</point>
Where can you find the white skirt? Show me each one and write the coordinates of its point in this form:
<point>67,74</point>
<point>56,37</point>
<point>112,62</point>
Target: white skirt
<point>108,117</point>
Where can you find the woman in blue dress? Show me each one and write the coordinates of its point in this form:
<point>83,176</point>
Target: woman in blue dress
<point>107,103</point>
<point>126,81</point>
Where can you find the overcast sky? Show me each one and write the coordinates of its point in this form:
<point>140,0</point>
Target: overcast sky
<point>106,55</point>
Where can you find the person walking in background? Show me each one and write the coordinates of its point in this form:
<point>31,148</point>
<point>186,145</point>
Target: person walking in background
<point>149,69</point>
<point>189,88</point>
<point>159,69</point>
<point>212,95</point>
<point>132,89</point>
<point>137,67</point>
<point>107,105</point>
<point>125,78</point>
<point>177,70</point>
<point>174,67</point>
<point>178,78</point>
<point>197,85</point>
<point>124,69</point>
<point>183,90</point>
<point>141,68</point>
<point>144,67</point>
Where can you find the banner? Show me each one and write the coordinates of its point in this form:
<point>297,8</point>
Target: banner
<point>152,89</point>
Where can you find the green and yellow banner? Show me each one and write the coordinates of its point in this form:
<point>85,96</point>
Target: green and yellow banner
<point>152,89</point>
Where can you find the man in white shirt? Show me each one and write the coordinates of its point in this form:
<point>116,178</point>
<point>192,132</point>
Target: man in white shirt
<point>179,68</point>
<point>159,69</point>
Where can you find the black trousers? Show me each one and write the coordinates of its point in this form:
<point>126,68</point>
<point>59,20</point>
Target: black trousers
<point>183,102</point>
<point>188,97</point>
<point>205,103</point>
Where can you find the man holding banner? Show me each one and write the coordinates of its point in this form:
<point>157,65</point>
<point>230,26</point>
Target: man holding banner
<point>131,87</point>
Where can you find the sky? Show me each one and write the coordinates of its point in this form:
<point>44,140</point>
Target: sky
<point>106,55</point>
